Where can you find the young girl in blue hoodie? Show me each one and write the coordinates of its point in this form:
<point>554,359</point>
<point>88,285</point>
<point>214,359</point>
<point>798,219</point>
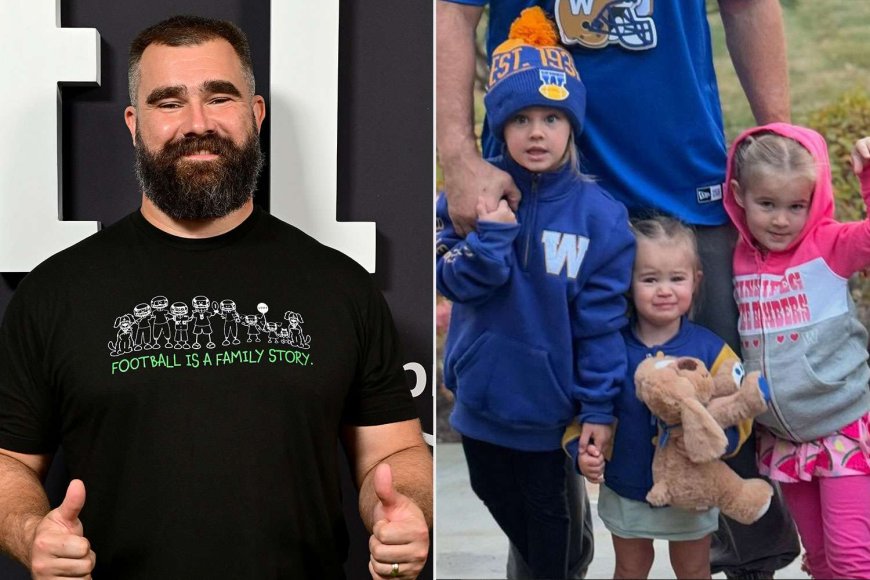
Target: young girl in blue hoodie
<point>534,342</point>
<point>666,275</point>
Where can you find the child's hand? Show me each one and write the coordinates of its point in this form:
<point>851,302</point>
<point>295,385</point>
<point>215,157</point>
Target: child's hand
<point>502,212</point>
<point>590,461</point>
<point>860,165</point>
<point>860,155</point>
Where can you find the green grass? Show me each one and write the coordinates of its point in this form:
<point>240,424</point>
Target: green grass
<point>827,56</point>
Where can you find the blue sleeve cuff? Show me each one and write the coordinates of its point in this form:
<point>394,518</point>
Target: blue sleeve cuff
<point>765,389</point>
<point>597,413</point>
<point>733,436</point>
<point>494,239</point>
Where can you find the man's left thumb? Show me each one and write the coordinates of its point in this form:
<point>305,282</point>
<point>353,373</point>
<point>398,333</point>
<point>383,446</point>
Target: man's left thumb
<point>384,485</point>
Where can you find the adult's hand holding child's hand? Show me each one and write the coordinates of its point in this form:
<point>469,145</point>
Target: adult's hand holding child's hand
<point>501,214</point>
<point>468,179</point>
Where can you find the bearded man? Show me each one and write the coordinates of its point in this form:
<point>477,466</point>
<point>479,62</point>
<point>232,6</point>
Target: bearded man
<point>218,462</point>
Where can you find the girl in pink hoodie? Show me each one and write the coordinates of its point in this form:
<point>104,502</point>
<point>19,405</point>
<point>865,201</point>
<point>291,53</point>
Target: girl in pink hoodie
<point>798,326</point>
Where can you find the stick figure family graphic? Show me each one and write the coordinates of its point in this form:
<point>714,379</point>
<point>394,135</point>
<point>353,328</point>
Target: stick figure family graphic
<point>159,324</point>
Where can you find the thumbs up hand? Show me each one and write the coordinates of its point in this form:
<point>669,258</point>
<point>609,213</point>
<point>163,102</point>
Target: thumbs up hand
<point>60,548</point>
<point>399,543</point>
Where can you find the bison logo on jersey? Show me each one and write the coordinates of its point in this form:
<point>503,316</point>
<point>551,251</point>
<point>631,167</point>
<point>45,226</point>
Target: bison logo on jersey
<point>599,23</point>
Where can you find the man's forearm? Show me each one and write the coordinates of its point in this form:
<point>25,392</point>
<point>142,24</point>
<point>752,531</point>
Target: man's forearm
<point>23,504</point>
<point>412,476</point>
<point>454,67</point>
<point>756,41</point>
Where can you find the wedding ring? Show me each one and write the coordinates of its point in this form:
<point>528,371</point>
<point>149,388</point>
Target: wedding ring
<point>394,570</point>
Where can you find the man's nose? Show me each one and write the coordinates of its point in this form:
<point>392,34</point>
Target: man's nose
<point>197,121</point>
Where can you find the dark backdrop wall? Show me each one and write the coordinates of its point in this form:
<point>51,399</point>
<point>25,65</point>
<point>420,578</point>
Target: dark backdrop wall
<point>384,158</point>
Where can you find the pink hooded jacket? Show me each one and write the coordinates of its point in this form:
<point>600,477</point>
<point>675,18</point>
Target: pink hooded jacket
<point>798,324</point>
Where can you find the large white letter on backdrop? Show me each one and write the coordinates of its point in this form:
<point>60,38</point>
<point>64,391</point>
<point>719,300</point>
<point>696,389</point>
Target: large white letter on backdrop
<point>35,55</point>
<point>303,95</point>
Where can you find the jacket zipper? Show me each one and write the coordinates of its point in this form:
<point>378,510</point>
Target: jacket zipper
<point>533,210</point>
<point>759,261</point>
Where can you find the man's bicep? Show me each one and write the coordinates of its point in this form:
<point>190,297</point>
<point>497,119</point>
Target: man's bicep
<point>369,445</point>
<point>755,37</point>
<point>38,463</point>
<point>456,25</point>
<point>455,66</point>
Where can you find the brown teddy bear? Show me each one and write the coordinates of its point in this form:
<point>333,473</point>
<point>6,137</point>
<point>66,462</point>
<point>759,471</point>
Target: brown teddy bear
<point>693,407</point>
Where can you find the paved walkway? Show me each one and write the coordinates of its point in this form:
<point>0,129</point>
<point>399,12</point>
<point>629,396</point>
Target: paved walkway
<point>469,544</point>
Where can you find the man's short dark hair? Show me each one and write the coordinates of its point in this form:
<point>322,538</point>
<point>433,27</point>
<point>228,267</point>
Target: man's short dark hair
<point>188,31</point>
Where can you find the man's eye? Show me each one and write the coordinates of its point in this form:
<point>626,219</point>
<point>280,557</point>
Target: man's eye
<point>219,100</point>
<point>169,105</point>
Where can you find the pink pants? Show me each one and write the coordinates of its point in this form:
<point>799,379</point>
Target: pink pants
<point>833,517</point>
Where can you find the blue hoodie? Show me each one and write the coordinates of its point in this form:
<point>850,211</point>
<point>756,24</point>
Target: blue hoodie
<point>629,471</point>
<point>534,339</point>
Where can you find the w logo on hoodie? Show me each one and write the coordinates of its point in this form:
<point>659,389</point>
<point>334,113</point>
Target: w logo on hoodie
<point>564,251</point>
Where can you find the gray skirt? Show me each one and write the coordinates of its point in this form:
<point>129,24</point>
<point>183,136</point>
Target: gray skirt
<point>628,518</point>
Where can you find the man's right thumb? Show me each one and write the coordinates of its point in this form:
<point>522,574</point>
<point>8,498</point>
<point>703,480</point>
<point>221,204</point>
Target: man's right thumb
<point>73,502</point>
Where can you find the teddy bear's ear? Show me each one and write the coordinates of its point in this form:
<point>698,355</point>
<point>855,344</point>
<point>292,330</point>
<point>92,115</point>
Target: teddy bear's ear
<point>703,438</point>
<point>687,363</point>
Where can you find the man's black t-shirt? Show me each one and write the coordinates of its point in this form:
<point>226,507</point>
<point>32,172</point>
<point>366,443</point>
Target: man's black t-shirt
<point>197,387</point>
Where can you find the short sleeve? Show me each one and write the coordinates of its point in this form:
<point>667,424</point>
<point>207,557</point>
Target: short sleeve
<point>27,412</point>
<point>380,394</point>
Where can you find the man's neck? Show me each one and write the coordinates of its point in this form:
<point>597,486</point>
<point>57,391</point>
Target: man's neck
<point>206,228</point>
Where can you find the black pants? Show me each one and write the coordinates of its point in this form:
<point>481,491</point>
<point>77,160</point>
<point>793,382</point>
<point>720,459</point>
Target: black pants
<point>767,545</point>
<point>525,491</point>
<point>581,543</point>
<point>770,543</point>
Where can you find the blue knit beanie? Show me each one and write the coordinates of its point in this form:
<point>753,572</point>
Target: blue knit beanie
<point>531,69</point>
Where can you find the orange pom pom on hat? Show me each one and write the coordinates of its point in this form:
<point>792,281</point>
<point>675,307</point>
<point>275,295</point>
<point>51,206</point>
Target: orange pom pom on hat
<point>531,69</point>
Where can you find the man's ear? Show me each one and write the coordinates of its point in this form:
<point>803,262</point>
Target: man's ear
<point>738,193</point>
<point>130,120</point>
<point>258,106</point>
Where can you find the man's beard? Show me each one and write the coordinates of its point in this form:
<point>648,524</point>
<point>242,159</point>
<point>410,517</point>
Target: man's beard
<point>185,189</point>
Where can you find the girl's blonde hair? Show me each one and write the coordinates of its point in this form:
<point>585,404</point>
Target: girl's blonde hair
<point>769,152</point>
<point>669,231</point>
<point>574,159</point>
